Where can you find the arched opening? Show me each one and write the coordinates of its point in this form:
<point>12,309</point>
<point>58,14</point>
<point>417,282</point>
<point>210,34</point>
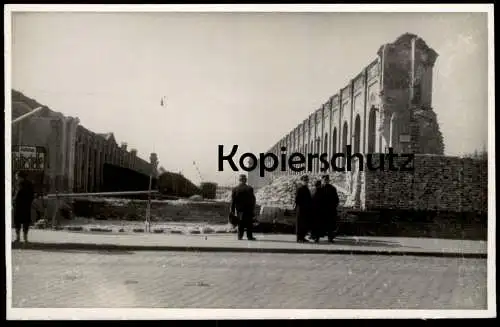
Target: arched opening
<point>325,149</point>
<point>325,144</point>
<point>344,142</point>
<point>372,134</point>
<point>357,134</point>
<point>392,132</point>
<point>312,148</point>
<point>306,149</point>
<point>344,136</point>
<point>334,140</point>
<point>318,151</point>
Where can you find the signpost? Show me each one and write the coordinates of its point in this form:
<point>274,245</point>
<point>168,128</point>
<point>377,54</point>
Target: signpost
<point>154,163</point>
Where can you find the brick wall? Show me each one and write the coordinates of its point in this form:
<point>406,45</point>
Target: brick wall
<point>438,183</point>
<point>210,212</point>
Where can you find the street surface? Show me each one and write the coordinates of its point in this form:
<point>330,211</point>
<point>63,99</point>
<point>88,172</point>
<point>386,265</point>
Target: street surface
<point>67,279</point>
<point>265,242</point>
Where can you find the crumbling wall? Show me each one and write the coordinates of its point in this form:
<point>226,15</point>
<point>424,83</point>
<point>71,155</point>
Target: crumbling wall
<point>428,135</point>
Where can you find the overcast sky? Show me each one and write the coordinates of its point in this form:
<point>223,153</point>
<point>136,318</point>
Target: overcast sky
<point>233,78</point>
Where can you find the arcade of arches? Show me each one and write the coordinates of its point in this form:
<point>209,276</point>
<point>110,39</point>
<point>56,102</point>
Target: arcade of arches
<point>378,109</point>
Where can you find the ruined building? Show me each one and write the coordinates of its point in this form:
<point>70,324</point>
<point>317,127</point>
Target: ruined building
<point>388,104</point>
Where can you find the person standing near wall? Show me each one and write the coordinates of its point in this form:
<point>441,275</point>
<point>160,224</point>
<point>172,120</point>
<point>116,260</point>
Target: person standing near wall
<point>303,209</point>
<point>317,229</point>
<point>243,206</point>
<point>23,200</point>
<point>328,203</point>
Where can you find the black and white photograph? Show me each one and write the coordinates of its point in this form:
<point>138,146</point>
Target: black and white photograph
<point>249,161</point>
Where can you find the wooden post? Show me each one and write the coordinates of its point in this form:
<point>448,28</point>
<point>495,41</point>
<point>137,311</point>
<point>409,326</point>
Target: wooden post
<point>56,210</point>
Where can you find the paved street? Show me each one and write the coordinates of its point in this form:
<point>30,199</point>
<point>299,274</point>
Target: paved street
<point>265,243</point>
<point>65,278</point>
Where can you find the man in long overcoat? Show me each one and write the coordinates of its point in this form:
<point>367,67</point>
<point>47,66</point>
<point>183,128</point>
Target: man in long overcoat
<point>303,209</point>
<point>329,201</point>
<point>23,199</point>
<point>316,223</point>
<point>243,206</point>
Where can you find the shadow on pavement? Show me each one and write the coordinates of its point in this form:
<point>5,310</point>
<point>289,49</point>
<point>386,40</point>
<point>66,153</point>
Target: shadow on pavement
<point>347,241</point>
<point>103,252</point>
<point>71,248</point>
<point>368,242</point>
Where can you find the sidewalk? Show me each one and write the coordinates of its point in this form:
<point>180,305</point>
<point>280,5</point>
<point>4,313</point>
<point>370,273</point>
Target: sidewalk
<point>266,243</point>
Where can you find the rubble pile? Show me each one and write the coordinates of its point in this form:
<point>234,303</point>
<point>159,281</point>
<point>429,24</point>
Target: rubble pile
<point>226,197</point>
<point>281,193</point>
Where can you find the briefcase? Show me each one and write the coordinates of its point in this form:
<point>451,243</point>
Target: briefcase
<point>234,220</point>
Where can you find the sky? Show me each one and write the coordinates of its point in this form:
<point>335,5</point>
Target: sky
<point>233,78</point>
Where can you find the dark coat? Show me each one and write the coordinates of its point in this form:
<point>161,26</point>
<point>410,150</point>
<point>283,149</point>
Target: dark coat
<point>243,200</point>
<point>303,203</point>
<point>23,200</point>
<point>328,201</point>
<point>316,200</point>
<point>316,223</point>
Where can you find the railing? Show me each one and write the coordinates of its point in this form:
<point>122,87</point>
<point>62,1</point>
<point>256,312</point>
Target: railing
<point>75,195</point>
<point>58,196</point>
<point>26,115</point>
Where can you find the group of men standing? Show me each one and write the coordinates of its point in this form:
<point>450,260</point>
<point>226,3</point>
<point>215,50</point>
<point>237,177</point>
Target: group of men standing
<point>316,211</point>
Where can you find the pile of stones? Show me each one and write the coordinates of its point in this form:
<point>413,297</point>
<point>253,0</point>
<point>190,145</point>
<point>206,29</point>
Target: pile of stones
<point>281,192</point>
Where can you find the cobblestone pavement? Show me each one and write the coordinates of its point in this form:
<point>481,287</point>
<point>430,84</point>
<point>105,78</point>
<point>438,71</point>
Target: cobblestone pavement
<point>245,281</point>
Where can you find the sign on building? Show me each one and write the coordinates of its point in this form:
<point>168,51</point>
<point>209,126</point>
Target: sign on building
<point>404,138</point>
<point>28,157</point>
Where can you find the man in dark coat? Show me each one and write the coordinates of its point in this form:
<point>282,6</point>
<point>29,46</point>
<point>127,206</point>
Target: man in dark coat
<point>303,209</point>
<point>23,200</point>
<point>329,201</point>
<point>243,206</point>
<point>316,223</point>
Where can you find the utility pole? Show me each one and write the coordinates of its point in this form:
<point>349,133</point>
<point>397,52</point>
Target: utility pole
<point>153,158</point>
<point>198,170</point>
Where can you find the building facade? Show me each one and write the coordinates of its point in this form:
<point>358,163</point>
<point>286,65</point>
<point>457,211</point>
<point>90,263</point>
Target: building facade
<point>75,156</point>
<point>387,105</point>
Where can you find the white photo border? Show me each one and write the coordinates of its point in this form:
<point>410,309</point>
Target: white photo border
<point>152,314</point>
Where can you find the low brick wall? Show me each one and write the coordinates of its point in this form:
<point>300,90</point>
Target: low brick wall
<point>392,223</point>
<point>209,212</point>
<point>437,183</point>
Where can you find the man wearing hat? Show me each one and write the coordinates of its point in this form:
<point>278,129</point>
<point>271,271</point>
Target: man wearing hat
<point>243,207</point>
<point>303,209</point>
<point>328,203</point>
<point>23,199</point>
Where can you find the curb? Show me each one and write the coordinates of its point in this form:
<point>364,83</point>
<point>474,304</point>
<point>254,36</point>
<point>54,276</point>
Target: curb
<point>133,248</point>
<point>137,230</point>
